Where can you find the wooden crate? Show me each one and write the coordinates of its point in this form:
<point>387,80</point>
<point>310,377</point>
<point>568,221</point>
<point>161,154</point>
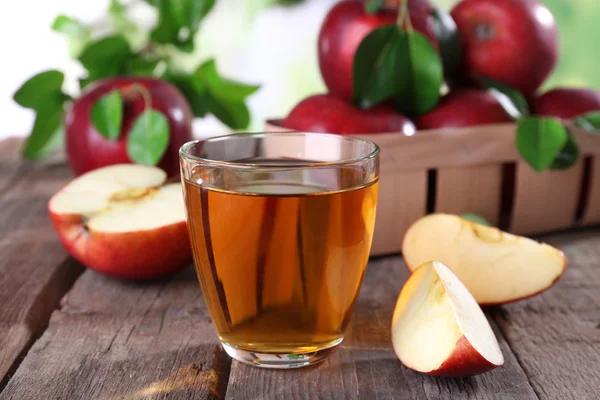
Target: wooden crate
<point>478,170</point>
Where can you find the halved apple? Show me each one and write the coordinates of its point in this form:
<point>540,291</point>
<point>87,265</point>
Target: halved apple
<point>439,329</point>
<point>497,267</point>
<point>123,221</point>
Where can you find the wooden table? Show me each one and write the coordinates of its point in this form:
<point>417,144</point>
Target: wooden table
<point>108,339</point>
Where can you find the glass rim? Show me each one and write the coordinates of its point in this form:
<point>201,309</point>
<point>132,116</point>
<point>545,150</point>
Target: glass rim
<point>185,154</point>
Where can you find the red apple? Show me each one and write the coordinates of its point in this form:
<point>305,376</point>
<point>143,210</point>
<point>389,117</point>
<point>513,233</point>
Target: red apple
<point>462,108</point>
<point>327,113</point>
<point>512,41</point>
<point>123,221</point>
<point>87,149</point>
<point>566,103</point>
<point>344,28</point>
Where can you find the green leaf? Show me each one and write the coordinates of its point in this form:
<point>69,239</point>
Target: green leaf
<point>568,155</point>
<point>391,63</point>
<point>590,121</point>
<point>207,75</point>
<point>105,57</point>
<point>76,33</point>
<point>540,141</point>
<point>448,38</point>
<point>476,218</point>
<point>38,89</point>
<point>199,101</point>
<point>142,65</point>
<point>148,138</point>
<point>48,120</point>
<point>374,6</point>
<point>512,100</point>
<point>179,20</point>
<point>233,114</point>
<point>107,115</point>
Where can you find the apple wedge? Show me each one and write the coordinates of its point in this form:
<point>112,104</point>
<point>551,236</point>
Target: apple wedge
<point>123,221</point>
<point>439,329</point>
<point>497,267</point>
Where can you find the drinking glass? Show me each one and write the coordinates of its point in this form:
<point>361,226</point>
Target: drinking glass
<point>281,226</point>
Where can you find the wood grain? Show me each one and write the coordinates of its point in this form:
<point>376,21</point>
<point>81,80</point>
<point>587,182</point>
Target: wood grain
<point>470,190</point>
<point>547,201</point>
<point>366,367</point>
<point>557,334</point>
<point>35,271</point>
<point>115,340</point>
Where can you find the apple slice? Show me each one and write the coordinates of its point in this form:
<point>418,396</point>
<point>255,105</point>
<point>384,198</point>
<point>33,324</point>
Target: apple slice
<point>495,266</point>
<point>122,221</point>
<point>439,329</point>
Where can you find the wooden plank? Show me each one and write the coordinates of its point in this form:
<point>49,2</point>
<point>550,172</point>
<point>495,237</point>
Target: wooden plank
<point>35,271</point>
<point>547,201</point>
<point>592,208</point>
<point>557,334</point>
<point>116,340</point>
<point>470,190</point>
<point>402,200</point>
<point>366,367</point>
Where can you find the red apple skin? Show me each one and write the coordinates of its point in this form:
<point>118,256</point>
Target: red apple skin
<point>87,149</point>
<point>464,361</point>
<point>512,41</point>
<point>462,108</point>
<point>326,113</point>
<point>566,103</point>
<point>344,28</point>
<point>139,255</point>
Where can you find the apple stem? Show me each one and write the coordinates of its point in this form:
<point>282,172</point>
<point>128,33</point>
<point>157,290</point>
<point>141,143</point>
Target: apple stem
<point>404,16</point>
<point>145,95</point>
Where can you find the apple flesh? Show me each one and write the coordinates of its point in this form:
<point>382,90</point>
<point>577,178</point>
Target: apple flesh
<point>327,113</point>
<point>123,221</point>
<point>87,149</point>
<point>497,267</point>
<point>462,108</point>
<point>566,103</point>
<point>344,28</point>
<point>439,329</point>
<point>514,42</point>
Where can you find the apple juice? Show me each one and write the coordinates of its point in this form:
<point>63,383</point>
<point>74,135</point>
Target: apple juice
<point>280,264</point>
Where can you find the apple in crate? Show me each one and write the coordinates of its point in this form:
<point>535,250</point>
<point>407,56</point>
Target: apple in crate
<point>123,221</point>
<point>88,149</point>
<point>439,329</point>
<point>463,108</point>
<point>347,24</point>
<point>566,103</point>
<point>326,113</point>
<point>497,267</point>
<point>514,42</point>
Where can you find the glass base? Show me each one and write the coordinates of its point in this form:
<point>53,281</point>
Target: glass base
<point>281,360</point>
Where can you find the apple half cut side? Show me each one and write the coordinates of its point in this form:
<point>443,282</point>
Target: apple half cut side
<point>123,221</point>
<point>439,329</point>
<point>497,267</point>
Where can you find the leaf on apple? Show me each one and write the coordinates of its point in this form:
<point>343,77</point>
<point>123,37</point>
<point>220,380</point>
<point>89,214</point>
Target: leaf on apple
<point>448,39</point>
<point>512,100</point>
<point>590,121</point>
<point>107,115</point>
<point>374,6</point>
<point>149,138</point>
<point>393,64</point>
<point>542,141</point>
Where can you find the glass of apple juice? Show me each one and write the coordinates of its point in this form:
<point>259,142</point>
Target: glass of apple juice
<point>281,226</point>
